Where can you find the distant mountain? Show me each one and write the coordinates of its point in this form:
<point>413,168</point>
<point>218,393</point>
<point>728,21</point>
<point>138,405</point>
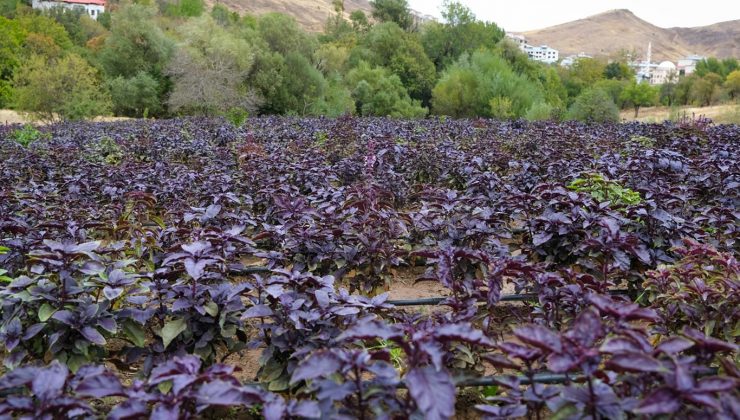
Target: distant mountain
<point>607,33</point>
<point>311,14</point>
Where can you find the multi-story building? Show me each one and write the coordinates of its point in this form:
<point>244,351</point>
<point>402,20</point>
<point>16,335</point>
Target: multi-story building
<point>92,7</point>
<point>542,53</point>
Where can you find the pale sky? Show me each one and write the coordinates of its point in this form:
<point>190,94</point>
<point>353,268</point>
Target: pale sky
<point>525,15</point>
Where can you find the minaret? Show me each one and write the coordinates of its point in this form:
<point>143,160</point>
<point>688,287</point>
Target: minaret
<point>649,59</point>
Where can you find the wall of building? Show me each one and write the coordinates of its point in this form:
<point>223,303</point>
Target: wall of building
<point>93,10</point>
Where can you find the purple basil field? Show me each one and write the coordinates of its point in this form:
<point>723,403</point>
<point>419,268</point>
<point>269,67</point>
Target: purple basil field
<point>361,268</point>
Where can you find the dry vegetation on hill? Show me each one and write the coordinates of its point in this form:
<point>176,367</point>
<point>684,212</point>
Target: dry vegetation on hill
<point>311,14</point>
<point>609,32</point>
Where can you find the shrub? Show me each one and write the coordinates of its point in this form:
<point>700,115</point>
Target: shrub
<point>593,105</point>
<point>540,111</point>
<point>27,135</point>
<point>602,190</point>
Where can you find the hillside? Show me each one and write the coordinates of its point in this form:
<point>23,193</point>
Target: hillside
<point>609,32</point>
<point>311,14</point>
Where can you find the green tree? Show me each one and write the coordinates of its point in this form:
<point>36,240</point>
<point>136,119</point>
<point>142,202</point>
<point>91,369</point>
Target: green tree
<point>44,25</point>
<point>336,101</point>
<point>667,95</point>
<point>706,89</point>
<point>614,88</point>
<point>583,74</point>
<point>135,44</point>
<point>732,84</point>
<point>9,8</point>
<point>223,16</point>
<point>11,48</point>
<point>67,88</point>
<point>302,89</point>
<point>716,66</point>
<point>619,71</point>
<point>80,27</point>
<point>396,11</point>
<point>638,95</point>
<point>136,96</point>
<point>282,34</point>
<point>593,105</point>
<point>359,20</point>
<point>461,32</point>
<point>378,92</point>
<point>387,45</point>
<point>209,70</point>
<point>467,88</point>
<point>191,8</point>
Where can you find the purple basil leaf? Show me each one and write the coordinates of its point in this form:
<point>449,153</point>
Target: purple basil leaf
<point>92,335</point>
<point>367,329</point>
<point>304,409</point>
<point>220,392</point>
<point>101,385</point>
<point>635,362</point>
<point>318,364</point>
<point>257,311</point>
<point>674,345</point>
<point>48,383</point>
<point>129,410</point>
<point>661,401</point>
<point>433,392</point>
<point>65,316</point>
<point>717,384</point>
<point>539,336</point>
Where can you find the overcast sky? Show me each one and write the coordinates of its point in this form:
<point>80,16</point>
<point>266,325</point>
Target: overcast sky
<point>524,15</point>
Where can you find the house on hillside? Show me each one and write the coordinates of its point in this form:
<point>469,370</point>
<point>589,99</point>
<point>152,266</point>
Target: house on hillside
<point>93,8</point>
<point>542,53</point>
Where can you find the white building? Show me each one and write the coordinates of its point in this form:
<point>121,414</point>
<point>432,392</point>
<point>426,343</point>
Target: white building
<point>571,59</point>
<point>664,72</point>
<point>517,39</point>
<point>542,53</point>
<point>92,7</point>
<point>687,65</point>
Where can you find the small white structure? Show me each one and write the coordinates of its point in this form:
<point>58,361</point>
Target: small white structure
<point>687,65</point>
<point>542,53</point>
<point>517,39</point>
<point>92,7</point>
<point>571,59</point>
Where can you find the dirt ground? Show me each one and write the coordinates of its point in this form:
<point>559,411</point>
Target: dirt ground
<point>8,116</point>
<point>720,114</point>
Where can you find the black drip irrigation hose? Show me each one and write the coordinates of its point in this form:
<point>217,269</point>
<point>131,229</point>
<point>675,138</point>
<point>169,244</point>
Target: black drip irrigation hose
<point>547,378</point>
<point>524,297</point>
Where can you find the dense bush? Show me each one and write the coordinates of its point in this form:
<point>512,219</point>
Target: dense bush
<point>593,105</point>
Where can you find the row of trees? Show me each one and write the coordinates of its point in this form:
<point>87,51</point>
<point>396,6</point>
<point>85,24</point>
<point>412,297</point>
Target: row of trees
<point>174,57</point>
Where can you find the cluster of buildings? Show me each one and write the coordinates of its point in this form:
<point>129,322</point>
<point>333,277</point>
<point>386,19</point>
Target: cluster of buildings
<point>93,8</point>
<point>664,72</point>
<point>646,71</point>
<point>541,53</point>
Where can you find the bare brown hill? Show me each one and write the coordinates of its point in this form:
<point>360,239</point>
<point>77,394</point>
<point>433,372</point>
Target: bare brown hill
<point>607,33</point>
<point>311,14</point>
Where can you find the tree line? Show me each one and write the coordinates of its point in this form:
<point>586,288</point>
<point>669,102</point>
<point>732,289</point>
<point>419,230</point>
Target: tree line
<point>160,58</point>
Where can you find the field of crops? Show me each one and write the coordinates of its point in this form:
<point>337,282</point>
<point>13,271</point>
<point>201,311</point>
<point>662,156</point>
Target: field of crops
<point>187,268</point>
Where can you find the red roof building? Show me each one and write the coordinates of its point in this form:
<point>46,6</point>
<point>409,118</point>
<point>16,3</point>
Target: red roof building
<point>92,7</point>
